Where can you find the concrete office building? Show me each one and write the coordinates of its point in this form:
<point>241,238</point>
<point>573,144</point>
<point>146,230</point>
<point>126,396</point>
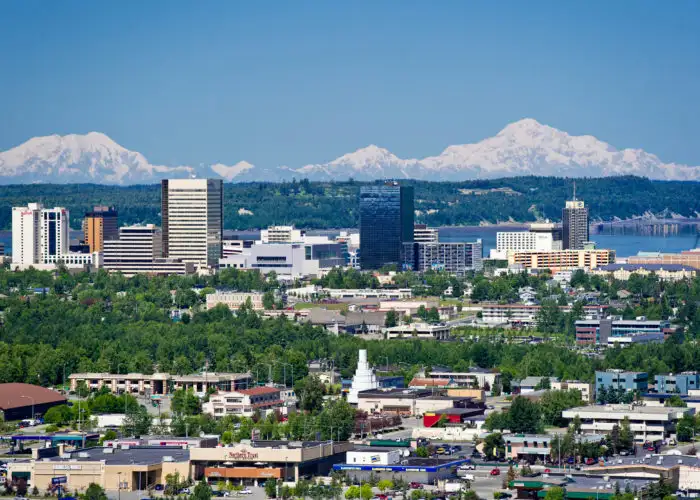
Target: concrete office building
<point>523,241</point>
<point>647,423</point>
<point>386,222</point>
<point>455,257</point>
<point>138,250</point>
<point>620,379</point>
<point>665,272</point>
<point>193,219</point>
<point>55,234</point>
<point>574,219</point>
<point>475,377</point>
<point>424,234</point>
<point>98,226</point>
<point>600,331</point>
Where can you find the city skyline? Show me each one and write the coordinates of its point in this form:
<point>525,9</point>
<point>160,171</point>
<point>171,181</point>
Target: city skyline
<point>275,85</point>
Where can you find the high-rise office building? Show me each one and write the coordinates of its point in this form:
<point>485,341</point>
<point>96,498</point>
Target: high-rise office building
<point>26,234</point>
<point>55,234</point>
<point>386,222</point>
<point>193,219</point>
<point>574,219</point>
<point>98,226</point>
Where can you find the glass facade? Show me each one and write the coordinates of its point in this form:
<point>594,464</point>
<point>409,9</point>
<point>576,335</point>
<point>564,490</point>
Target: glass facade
<point>386,222</point>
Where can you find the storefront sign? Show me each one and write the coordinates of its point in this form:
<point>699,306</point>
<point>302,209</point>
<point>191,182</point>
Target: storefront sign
<point>242,455</point>
<point>67,467</point>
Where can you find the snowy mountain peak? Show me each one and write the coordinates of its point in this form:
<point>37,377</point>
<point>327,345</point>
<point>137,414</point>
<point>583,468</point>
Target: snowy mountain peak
<point>524,147</point>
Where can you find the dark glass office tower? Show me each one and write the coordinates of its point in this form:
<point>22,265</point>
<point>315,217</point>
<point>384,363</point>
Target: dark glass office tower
<point>386,222</point>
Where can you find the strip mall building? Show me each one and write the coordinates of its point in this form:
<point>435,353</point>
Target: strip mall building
<point>130,468</point>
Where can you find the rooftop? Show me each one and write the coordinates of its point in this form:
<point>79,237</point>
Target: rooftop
<point>257,391</point>
<point>134,456</point>
<point>16,395</point>
<point>648,267</point>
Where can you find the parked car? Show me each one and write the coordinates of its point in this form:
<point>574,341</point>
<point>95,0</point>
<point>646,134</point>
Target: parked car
<point>416,486</point>
<point>495,471</point>
<point>159,487</point>
<point>380,496</point>
<point>547,471</point>
<point>245,492</point>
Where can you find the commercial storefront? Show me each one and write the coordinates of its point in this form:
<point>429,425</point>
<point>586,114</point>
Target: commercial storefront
<point>252,462</point>
<point>132,469</point>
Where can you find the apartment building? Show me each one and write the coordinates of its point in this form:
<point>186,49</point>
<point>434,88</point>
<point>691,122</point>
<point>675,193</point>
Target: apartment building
<point>234,300</point>
<point>647,423</point>
<point>689,258</point>
<point>244,402</point>
<point>680,383</point>
<point>620,379</point>
<point>26,234</point>
<point>475,377</point>
<point>584,388</point>
<point>665,272</point>
<point>560,260</point>
<point>193,218</point>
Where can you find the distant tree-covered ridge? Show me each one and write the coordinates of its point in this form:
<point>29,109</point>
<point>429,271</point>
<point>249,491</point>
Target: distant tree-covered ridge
<point>319,205</point>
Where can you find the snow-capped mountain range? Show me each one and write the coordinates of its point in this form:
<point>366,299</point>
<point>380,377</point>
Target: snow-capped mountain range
<point>525,147</point>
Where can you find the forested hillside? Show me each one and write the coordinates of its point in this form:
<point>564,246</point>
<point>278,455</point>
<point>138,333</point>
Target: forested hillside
<point>333,205</point>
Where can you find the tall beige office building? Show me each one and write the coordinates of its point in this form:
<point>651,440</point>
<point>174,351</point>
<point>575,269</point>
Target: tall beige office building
<point>192,211</point>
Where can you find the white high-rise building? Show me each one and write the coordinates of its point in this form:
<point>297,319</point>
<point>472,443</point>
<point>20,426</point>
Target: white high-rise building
<point>193,219</point>
<point>364,378</point>
<point>55,234</point>
<point>26,234</point>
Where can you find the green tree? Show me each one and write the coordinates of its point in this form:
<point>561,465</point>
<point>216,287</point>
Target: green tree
<point>626,435</point>
<point>554,493</point>
<point>675,401</point>
<point>352,493</point>
<point>94,492</point>
<point>494,445</point>
<point>202,491</point>
<point>186,402</point>
<point>685,429</point>
<point>268,300</point>
<point>310,391</point>
<point>524,416</point>
<point>137,422</point>
<point>385,484</point>
<point>271,488</point>
<point>390,319</point>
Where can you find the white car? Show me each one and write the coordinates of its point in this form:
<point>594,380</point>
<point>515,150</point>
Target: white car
<point>245,492</point>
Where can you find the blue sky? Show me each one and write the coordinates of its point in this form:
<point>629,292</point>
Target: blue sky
<point>299,82</point>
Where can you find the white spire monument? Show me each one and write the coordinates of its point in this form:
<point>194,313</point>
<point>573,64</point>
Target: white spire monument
<point>364,378</point>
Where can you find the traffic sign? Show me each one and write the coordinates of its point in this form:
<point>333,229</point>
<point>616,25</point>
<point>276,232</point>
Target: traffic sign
<point>59,480</point>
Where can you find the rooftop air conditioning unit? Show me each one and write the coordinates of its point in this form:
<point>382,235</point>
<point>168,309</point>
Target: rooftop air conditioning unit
<point>108,450</point>
<point>168,458</point>
<point>83,454</point>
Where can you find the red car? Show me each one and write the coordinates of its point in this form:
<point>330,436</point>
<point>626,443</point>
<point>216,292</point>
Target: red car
<point>547,471</point>
<point>416,486</point>
<point>495,472</point>
<point>381,496</point>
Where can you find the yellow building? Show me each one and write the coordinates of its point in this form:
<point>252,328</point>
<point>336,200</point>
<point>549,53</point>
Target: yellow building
<point>560,260</point>
<point>98,226</point>
<point>132,469</point>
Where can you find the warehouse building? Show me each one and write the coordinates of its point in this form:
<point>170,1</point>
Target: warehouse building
<point>20,401</point>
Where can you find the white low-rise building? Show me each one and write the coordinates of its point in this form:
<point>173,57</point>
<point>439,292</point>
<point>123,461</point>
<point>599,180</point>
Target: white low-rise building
<point>368,293</point>
<point>584,388</point>
<point>647,423</point>
<point>423,331</point>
